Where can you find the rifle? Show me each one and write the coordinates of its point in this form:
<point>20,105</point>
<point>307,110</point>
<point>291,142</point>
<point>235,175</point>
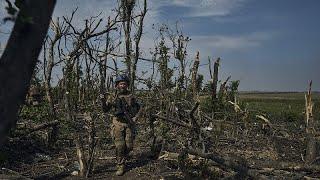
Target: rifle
<point>121,110</point>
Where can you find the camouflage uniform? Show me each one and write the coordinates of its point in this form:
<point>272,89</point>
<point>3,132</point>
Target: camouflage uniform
<point>124,108</point>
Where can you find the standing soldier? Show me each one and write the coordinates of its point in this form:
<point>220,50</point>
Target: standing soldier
<point>124,109</point>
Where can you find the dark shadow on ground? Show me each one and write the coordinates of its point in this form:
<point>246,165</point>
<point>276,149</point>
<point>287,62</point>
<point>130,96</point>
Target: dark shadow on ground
<point>140,159</point>
<point>108,167</point>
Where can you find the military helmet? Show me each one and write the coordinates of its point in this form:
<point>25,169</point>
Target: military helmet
<point>122,77</point>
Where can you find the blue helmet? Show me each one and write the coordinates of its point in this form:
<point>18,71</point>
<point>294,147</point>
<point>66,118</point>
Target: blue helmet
<point>122,77</point>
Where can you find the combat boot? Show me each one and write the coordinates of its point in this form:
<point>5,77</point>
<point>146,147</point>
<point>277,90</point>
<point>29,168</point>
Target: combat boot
<point>120,170</point>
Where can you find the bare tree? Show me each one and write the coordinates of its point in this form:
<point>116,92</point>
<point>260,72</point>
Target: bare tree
<point>81,46</point>
<point>137,42</point>
<point>60,29</point>
<point>179,46</point>
<point>126,8</point>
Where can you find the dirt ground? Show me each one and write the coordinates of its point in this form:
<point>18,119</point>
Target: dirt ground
<point>29,161</point>
<point>27,158</point>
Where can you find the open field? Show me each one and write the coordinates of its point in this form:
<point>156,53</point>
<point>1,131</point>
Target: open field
<point>280,106</point>
<point>278,95</point>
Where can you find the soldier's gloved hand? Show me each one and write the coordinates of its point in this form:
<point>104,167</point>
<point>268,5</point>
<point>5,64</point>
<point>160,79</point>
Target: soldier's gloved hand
<point>110,99</point>
<point>134,119</point>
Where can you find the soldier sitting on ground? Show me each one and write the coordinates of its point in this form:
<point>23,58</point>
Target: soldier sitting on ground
<point>124,109</point>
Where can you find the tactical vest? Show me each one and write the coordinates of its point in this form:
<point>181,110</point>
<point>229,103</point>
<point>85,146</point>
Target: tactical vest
<point>125,103</point>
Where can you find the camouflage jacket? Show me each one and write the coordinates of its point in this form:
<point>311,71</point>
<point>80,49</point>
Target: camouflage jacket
<point>121,103</point>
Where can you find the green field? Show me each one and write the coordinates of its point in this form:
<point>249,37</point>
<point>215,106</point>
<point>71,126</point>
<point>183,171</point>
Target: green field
<point>278,95</point>
<point>280,106</point>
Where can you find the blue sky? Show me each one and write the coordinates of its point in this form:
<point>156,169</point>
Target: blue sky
<point>269,45</point>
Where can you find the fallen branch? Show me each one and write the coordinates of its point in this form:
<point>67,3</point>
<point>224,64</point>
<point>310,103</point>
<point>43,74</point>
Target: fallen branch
<point>173,121</point>
<point>43,126</point>
<point>287,166</point>
<point>235,163</point>
<point>10,174</point>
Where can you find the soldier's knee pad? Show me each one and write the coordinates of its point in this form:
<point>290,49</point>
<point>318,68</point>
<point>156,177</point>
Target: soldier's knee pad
<point>117,132</point>
<point>129,145</point>
<point>119,142</point>
<point>120,147</point>
<point>129,140</point>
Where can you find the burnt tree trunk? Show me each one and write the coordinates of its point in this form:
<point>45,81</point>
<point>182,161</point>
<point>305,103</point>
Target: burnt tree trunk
<point>19,59</point>
<point>180,54</point>
<point>194,77</point>
<point>215,79</point>
<point>48,73</point>
<point>49,67</point>
<point>103,64</point>
<point>127,7</point>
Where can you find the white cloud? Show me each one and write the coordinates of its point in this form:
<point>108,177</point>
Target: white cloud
<point>201,8</point>
<point>86,9</point>
<point>239,42</point>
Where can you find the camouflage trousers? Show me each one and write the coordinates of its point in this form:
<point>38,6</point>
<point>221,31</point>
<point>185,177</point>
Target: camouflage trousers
<point>123,136</point>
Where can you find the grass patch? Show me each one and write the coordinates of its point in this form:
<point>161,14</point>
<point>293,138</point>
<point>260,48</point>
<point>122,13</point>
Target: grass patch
<point>280,106</point>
